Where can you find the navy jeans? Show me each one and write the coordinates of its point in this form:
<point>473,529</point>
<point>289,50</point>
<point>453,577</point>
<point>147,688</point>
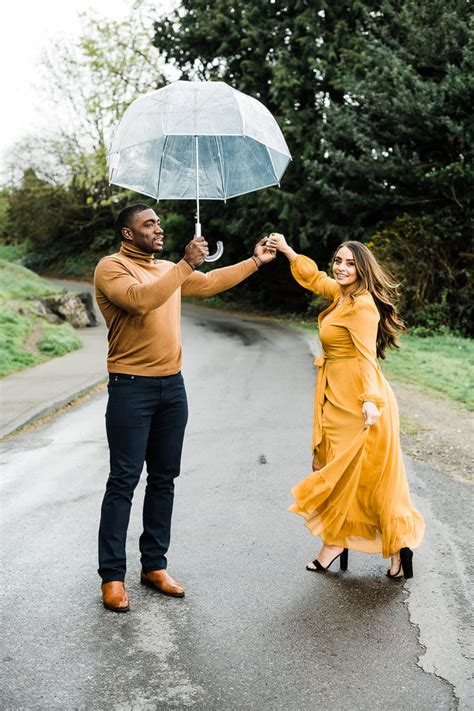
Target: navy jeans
<point>146,419</point>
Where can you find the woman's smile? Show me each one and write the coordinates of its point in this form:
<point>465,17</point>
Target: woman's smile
<point>344,268</point>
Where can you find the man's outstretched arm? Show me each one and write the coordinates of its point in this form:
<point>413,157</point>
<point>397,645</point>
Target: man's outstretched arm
<point>120,287</point>
<point>199,284</point>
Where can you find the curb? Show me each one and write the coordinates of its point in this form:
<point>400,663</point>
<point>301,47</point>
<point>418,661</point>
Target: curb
<point>41,412</point>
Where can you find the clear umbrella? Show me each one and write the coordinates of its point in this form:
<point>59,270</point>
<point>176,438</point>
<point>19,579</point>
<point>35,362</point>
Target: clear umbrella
<point>197,140</point>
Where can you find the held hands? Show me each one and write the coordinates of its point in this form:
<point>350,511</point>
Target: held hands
<point>277,241</point>
<point>370,413</point>
<point>195,252</point>
<point>262,253</point>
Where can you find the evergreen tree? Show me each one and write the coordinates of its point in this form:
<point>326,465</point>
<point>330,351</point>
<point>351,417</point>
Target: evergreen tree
<point>397,153</point>
<point>286,55</point>
<point>374,100</point>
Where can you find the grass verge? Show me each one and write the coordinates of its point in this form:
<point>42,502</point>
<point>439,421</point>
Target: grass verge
<point>25,338</point>
<point>442,364</point>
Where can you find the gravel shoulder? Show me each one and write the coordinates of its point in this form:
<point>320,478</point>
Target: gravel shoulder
<point>436,431</point>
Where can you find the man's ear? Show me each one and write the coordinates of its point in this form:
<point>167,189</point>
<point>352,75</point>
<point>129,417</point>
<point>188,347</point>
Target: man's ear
<point>127,234</point>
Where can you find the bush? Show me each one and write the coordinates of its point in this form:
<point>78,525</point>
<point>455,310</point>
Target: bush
<point>12,252</point>
<point>428,255</point>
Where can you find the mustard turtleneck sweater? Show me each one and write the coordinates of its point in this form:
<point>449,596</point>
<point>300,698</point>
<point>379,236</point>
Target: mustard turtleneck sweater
<point>140,299</point>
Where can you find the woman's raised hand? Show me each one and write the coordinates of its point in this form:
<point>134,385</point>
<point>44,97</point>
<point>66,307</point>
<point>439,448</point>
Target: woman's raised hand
<point>370,413</point>
<point>277,241</point>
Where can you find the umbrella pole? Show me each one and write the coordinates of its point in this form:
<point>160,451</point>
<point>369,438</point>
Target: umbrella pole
<point>197,232</point>
<point>220,247</point>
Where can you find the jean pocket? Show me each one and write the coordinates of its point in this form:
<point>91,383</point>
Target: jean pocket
<point>120,380</point>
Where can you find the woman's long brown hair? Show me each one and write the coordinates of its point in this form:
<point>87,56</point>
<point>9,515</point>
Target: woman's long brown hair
<point>384,290</point>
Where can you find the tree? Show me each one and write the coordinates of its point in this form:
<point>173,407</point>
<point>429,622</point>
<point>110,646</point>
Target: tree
<point>91,81</point>
<point>402,138</point>
<point>375,102</point>
<point>3,212</point>
<point>286,55</point>
<point>396,164</point>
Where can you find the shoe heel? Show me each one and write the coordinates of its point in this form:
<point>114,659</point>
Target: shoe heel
<point>344,559</point>
<point>406,559</point>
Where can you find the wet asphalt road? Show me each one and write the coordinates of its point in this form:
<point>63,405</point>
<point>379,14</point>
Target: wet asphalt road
<point>256,631</point>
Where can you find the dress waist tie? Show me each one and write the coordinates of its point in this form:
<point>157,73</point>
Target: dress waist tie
<point>321,383</point>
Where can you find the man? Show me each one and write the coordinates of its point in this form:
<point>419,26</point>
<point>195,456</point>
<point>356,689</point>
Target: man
<point>147,409</point>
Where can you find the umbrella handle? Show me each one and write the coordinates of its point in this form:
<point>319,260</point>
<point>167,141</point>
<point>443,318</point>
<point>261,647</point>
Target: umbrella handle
<point>217,254</point>
<point>220,247</point>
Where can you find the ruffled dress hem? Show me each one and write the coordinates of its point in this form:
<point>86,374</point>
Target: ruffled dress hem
<point>335,529</point>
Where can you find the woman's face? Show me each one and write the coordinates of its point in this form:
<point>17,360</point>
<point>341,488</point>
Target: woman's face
<point>344,268</point>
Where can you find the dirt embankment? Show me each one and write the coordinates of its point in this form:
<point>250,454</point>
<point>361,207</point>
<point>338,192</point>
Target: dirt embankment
<point>436,431</point>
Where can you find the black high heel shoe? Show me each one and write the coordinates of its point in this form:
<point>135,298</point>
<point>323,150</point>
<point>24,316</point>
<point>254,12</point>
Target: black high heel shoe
<point>405,569</point>
<point>318,568</point>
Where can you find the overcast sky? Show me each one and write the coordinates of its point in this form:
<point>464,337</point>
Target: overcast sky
<point>26,27</point>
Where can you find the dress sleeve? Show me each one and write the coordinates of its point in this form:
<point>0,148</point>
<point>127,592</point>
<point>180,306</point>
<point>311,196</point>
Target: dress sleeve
<point>362,323</point>
<point>306,273</point>
<point>199,284</point>
<point>121,288</point>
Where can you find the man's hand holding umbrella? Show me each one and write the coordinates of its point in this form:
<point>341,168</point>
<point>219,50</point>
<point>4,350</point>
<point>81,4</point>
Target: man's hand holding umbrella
<point>196,251</point>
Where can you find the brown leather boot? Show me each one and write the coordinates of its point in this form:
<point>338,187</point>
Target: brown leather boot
<point>114,596</point>
<point>162,582</point>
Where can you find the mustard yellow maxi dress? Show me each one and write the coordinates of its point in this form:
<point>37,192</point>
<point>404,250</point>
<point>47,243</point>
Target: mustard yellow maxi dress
<point>360,498</point>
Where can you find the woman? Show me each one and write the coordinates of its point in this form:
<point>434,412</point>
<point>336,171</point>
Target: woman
<point>357,496</point>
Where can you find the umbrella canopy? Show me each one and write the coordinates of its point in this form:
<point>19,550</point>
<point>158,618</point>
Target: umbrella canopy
<point>197,140</point>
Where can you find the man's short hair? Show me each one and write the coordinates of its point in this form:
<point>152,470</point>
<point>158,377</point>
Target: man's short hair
<point>126,215</point>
